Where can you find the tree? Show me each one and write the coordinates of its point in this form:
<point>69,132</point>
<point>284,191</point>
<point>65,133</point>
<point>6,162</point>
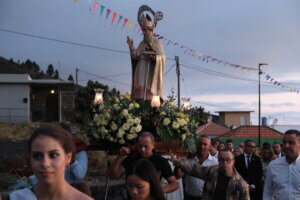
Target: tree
<point>70,78</point>
<point>50,70</point>
<point>56,74</point>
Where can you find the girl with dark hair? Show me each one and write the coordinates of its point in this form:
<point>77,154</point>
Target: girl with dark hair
<point>143,181</point>
<point>51,151</point>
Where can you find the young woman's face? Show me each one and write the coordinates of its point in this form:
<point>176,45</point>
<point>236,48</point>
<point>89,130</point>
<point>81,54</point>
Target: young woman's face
<point>138,188</point>
<point>48,160</point>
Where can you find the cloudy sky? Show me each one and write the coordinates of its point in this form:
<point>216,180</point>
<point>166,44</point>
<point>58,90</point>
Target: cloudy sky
<point>244,32</point>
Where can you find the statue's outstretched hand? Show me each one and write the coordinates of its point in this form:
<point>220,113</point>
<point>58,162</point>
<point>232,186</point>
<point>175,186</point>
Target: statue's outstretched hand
<point>130,43</point>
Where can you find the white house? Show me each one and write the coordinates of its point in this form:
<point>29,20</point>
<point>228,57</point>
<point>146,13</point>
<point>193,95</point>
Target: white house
<point>24,100</point>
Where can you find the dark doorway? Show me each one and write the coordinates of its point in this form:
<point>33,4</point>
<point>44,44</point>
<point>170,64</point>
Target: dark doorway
<point>52,106</point>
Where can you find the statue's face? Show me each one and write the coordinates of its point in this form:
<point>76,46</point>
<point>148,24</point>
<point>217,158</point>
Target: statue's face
<point>148,33</point>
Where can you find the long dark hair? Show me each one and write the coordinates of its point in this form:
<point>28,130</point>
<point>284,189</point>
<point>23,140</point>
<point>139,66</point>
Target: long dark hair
<point>145,170</point>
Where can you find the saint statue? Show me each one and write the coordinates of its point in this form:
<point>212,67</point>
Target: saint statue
<point>148,59</point>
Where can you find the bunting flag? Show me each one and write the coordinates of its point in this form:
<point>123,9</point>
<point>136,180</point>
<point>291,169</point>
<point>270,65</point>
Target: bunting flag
<point>102,9</point>
<point>96,4</point>
<point>120,18</point>
<point>277,83</point>
<point>107,12</point>
<point>186,50</point>
<point>130,24</point>
<point>125,21</point>
<point>114,17</point>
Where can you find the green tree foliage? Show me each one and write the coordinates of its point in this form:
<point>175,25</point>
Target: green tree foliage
<point>56,74</point>
<point>70,78</point>
<point>50,70</point>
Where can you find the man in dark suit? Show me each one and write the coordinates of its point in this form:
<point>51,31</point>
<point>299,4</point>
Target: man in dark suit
<point>250,168</point>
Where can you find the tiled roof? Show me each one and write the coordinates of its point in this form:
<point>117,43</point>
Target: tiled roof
<point>252,131</point>
<point>212,129</point>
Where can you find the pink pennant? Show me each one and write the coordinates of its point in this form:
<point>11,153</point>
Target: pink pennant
<point>96,4</point>
<point>139,29</point>
<point>114,17</point>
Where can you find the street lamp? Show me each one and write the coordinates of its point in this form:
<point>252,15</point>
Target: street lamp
<point>186,103</point>
<point>98,96</point>
<point>155,102</point>
<point>259,126</point>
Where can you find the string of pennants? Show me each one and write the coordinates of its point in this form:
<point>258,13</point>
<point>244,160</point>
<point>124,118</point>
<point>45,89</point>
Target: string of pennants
<point>277,83</point>
<point>118,19</point>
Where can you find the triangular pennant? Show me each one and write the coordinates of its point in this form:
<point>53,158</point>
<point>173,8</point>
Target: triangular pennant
<point>114,17</point>
<point>120,18</point>
<point>96,4</point>
<point>139,29</point>
<point>125,21</point>
<point>130,24</point>
<point>107,12</point>
<point>102,9</point>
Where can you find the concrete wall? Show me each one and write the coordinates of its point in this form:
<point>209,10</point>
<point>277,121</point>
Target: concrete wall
<point>234,118</point>
<point>13,108</point>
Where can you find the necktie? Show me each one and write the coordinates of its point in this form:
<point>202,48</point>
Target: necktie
<point>248,161</point>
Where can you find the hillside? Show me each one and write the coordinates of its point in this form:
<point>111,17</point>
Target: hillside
<point>28,67</point>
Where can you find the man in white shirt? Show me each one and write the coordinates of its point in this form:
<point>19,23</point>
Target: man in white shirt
<point>277,150</point>
<point>194,186</point>
<point>283,174</point>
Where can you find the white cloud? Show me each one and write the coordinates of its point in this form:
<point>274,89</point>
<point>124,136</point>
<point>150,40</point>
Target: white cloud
<point>286,103</point>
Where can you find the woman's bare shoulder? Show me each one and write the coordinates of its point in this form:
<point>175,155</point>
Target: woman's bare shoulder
<point>77,195</point>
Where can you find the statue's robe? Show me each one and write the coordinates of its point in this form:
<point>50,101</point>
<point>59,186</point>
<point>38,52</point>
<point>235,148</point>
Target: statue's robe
<point>147,74</point>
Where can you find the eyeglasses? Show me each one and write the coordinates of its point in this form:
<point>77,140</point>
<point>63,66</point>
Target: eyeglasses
<point>228,160</point>
<point>250,146</point>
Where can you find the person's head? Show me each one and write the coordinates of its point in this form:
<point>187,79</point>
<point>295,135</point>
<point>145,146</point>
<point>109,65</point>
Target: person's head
<point>215,143</point>
<point>242,145</point>
<point>276,148</point>
<point>213,150</point>
<point>291,144</point>
<point>143,181</point>
<point>257,151</point>
<point>237,151</point>
<point>51,150</point>
<point>145,144</point>
<point>226,161</point>
<point>221,146</point>
<point>249,147</point>
<point>203,145</point>
<point>267,154</point>
<point>229,144</point>
<point>266,144</point>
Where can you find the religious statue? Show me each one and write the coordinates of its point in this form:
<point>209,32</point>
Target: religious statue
<point>148,60</point>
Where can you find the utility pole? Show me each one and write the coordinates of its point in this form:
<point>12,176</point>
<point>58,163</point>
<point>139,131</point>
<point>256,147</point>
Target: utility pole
<point>178,79</point>
<point>77,79</point>
<point>259,126</point>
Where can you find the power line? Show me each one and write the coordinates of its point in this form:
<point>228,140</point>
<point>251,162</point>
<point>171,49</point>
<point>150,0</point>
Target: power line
<point>102,77</point>
<point>170,69</point>
<point>216,73</point>
<point>114,75</point>
<point>68,42</point>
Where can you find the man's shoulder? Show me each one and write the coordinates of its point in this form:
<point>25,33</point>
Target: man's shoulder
<point>277,161</point>
<point>158,157</point>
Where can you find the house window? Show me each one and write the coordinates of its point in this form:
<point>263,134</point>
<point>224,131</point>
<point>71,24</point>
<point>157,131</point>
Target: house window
<point>243,120</point>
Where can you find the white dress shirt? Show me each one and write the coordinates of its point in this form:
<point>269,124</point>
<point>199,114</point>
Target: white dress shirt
<point>194,186</point>
<point>282,180</point>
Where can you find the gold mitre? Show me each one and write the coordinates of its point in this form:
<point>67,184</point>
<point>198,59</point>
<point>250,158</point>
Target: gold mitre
<point>146,22</point>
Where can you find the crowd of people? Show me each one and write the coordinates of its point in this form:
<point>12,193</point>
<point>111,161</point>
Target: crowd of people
<point>218,170</point>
